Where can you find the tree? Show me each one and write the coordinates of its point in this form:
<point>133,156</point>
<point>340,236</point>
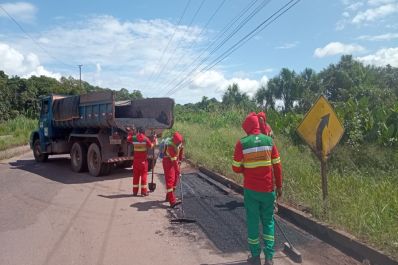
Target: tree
<point>265,97</point>
<point>233,97</point>
<point>285,87</point>
<point>308,89</point>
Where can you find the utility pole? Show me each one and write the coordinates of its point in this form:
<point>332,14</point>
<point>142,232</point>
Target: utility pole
<point>80,71</point>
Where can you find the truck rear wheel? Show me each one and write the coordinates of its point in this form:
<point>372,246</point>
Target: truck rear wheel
<point>39,156</point>
<point>78,157</point>
<point>94,160</point>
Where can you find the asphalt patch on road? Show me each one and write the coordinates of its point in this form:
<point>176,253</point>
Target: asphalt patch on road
<point>221,216</point>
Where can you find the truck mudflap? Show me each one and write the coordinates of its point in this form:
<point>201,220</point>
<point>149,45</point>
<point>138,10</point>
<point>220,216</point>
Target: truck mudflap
<point>119,159</point>
<point>122,158</point>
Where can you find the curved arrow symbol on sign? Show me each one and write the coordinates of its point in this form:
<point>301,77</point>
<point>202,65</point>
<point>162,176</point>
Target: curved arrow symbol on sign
<point>319,131</point>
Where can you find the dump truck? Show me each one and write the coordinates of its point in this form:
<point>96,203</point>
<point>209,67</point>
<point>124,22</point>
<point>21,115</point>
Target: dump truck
<point>93,129</point>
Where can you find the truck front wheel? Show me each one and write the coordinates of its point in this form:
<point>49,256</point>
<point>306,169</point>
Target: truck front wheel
<point>39,156</point>
<point>78,157</point>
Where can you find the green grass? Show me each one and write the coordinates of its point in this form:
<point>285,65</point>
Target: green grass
<point>362,200</point>
<point>16,132</point>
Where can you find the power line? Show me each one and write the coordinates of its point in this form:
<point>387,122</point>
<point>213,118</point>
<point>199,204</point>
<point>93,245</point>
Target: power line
<point>251,34</point>
<point>221,34</point>
<point>168,43</point>
<point>182,56</point>
<point>180,41</point>
<point>241,42</point>
<point>230,35</point>
<point>30,37</point>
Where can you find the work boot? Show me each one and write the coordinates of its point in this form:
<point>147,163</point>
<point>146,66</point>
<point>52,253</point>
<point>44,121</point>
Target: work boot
<point>144,194</point>
<point>174,204</point>
<point>269,262</point>
<point>254,260</point>
<point>135,194</point>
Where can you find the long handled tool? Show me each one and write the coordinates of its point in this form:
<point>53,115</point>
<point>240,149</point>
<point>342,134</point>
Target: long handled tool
<point>289,250</point>
<point>182,219</point>
<point>152,185</point>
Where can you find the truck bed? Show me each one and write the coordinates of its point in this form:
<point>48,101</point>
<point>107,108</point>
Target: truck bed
<point>99,110</point>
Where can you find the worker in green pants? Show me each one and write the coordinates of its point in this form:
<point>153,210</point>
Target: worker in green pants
<point>260,206</point>
<point>257,157</point>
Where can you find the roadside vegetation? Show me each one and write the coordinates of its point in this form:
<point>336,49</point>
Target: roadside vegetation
<point>16,132</point>
<point>363,169</point>
<point>363,197</point>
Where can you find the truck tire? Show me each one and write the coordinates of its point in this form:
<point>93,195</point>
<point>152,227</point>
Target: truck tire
<point>39,156</point>
<point>94,160</point>
<point>78,157</point>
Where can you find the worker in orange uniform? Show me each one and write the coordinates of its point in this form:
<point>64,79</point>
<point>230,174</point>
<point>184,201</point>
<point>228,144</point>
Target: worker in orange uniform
<point>172,158</point>
<point>141,144</point>
<point>257,157</point>
<point>265,128</point>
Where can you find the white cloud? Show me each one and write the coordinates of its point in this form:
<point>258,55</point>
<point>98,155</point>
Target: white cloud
<point>382,37</point>
<point>127,54</point>
<point>264,80</point>
<point>362,13</point>
<point>14,62</point>
<point>373,14</point>
<point>354,6</point>
<point>249,86</point>
<point>214,84</point>
<point>98,67</point>
<point>21,11</point>
<point>288,45</point>
<point>335,48</point>
<point>264,71</point>
<point>379,2</point>
<point>382,57</point>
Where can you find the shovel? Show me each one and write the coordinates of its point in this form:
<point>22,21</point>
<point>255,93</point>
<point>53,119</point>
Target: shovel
<point>288,248</point>
<point>152,185</point>
<point>183,219</point>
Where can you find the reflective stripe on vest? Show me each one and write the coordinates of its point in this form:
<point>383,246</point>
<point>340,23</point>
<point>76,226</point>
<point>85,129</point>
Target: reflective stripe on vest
<point>139,146</point>
<point>257,150</point>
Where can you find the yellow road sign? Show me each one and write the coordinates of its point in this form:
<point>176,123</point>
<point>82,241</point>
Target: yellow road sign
<point>321,128</point>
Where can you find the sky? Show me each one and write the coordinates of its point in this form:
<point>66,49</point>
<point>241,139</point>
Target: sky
<point>187,49</point>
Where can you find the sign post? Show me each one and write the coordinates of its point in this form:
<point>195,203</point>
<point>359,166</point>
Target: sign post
<point>321,130</point>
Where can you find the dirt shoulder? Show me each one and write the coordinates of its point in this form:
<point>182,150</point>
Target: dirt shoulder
<point>14,151</point>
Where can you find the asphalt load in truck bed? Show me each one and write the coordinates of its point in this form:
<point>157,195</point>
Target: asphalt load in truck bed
<point>220,214</point>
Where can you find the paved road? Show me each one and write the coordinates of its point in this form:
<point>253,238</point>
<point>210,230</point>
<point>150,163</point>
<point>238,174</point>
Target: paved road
<point>50,215</point>
<point>220,214</point>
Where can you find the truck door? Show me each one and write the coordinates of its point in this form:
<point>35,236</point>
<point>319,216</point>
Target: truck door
<point>44,123</point>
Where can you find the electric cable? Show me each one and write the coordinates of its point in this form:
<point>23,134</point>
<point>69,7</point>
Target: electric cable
<point>159,73</point>
<point>30,37</point>
<point>240,43</point>
<point>170,40</point>
<point>230,35</point>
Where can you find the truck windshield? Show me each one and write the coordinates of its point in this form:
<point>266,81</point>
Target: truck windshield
<point>44,108</point>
